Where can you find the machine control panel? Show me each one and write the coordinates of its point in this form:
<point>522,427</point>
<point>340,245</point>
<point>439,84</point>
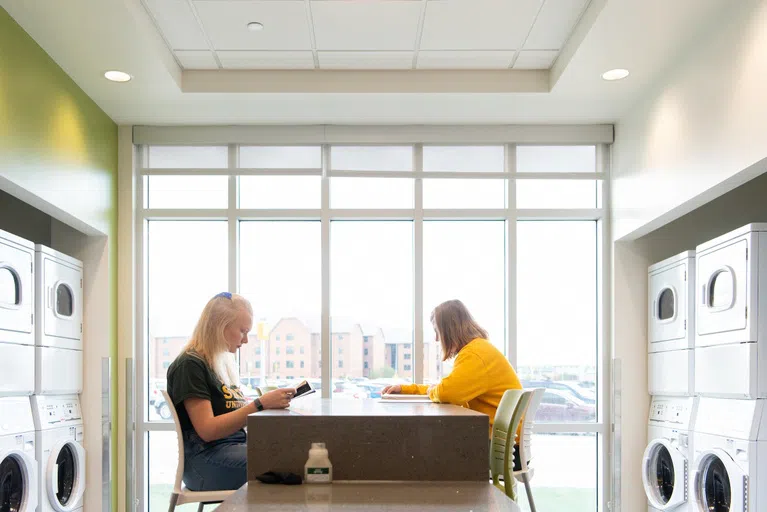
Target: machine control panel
<point>676,411</point>
<point>58,411</point>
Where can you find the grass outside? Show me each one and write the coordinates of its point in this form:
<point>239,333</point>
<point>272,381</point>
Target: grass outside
<point>561,499</point>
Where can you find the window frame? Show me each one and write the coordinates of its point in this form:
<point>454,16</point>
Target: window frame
<point>510,215</point>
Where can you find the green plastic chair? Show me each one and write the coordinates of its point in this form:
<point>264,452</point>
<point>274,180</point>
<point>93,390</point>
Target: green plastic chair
<point>508,416</point>
<point>525,473</point>
<point>265,389</point>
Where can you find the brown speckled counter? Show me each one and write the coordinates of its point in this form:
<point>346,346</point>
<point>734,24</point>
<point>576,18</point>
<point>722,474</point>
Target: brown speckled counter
<point>370,497</point>
<point>372,440</point>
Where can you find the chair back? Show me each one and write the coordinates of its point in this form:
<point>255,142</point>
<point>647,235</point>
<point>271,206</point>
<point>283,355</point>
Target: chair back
<point>525,444</point>
<point>510,411</point>
<point>180,466</point>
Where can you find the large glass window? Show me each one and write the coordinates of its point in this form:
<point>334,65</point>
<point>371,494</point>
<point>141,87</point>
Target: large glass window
<point>463,260</point>
<point>183,273</point>
<point>391,231</point>
<point>566,473</point>
<point>280,273</point>
<point>557,316</point>
<point>371,293</point>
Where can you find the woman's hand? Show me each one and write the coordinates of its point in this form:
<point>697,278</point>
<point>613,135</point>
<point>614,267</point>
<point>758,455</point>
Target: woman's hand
<point>396,388</point>
<point>277,399</point>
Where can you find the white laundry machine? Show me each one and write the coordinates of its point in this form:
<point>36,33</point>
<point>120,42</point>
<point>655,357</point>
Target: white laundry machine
<point>730,469</point>
<point>671,326</point>
<point>17,335</point>
<point>58,323</point>
<point>669,453</point>
<point>731,315</point>
<point>60,454</point>
<point>18,466</point>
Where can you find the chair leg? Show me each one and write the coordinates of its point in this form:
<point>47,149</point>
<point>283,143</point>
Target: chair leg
<point>200,507</point>
<point>529,491</point>
<point>173,501</point>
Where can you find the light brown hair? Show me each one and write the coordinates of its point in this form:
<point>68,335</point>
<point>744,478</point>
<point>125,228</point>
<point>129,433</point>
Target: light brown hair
<point>208,339</point>
<point>455,327</point>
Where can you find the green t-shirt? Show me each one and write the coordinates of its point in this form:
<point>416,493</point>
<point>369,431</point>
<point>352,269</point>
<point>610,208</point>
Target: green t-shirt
<point>189,376</point>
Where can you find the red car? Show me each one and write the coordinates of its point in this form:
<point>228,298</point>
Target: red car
<point>561,406</point>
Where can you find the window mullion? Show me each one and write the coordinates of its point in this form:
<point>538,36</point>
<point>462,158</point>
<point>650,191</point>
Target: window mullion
<point>326,355</point>
<point>418,341</point>
<point>511,255</point>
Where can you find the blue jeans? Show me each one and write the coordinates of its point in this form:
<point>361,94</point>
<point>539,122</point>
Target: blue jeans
<point>216,466</point>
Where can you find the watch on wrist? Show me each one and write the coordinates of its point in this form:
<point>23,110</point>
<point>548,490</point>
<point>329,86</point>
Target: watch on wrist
<point>257,403</point>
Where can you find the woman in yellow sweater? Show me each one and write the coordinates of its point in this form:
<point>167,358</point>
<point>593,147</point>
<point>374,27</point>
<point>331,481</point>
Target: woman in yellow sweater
<point>481,374</point>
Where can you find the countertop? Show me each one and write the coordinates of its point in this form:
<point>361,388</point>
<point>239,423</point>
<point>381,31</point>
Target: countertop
<point>333,407</point>
<point>370,497</point>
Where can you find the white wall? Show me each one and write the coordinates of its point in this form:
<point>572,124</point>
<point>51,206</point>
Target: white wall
<point>698,133</point>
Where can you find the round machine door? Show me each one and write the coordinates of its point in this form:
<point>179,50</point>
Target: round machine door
<point>65,475</point>
<point>720,485</point>
<point>18,482</point>
<point>664,473</point>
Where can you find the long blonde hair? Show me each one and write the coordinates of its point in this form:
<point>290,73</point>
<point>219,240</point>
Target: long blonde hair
<point>208,340</point>
<point>455,327</point>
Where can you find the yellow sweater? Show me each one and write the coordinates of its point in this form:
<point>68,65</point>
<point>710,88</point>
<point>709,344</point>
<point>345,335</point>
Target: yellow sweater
<point>480,377</point>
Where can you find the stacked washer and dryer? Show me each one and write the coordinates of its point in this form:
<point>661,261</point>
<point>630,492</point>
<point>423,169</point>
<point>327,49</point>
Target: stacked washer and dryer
<point>720,443</point>
<point>730,436</point>
<point>42,461</point>
<point>669,454</point>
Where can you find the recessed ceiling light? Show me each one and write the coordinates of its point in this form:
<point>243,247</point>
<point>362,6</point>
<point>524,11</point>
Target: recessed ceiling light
<point>255,26</point>
<point>615,74</point>
<point>117,76</point>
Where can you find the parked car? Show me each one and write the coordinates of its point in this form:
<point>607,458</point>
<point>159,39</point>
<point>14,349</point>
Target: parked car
<point>558,405</point>
<point>162,408</point>
<point>372,390</point>
<point>156,387</point>
<point>349,390</point>
<point>566,386</point>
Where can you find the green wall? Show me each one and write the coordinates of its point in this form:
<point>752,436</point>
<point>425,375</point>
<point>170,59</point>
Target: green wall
<point>58,145</point>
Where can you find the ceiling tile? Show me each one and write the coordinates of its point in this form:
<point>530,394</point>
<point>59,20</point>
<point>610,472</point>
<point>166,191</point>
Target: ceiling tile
<point>464,60</point>
<point>554,24</point>
<point>196,59</point>
<point>535,59</point>
<point>365,60</point>
<point>177,24</point>
<point>477,24</point>
<point>266,60</point>
<point>286,26</point>
<point>345,25</point>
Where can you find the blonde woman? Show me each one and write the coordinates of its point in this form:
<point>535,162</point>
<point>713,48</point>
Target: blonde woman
<point>481,374</point>
<point>203,383</point>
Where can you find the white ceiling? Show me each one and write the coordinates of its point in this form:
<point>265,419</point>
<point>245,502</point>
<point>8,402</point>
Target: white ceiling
<point>383,34</point>
<point>203,67</point>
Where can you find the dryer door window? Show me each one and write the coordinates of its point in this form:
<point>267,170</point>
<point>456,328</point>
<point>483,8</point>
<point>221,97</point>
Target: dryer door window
<point>721,289</point>
<point>666,305</point>
<point>63,303</point>
<point>64,300</point>
<point>11,485</point>
<point>668,308</point>
<point>717,494</point>
<point>664,474</point>
<point>10,287</point>
<point>66,475</point>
